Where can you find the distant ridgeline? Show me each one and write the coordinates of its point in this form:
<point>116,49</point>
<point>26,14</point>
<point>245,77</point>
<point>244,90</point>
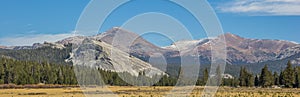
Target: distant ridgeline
<point>42,54</point>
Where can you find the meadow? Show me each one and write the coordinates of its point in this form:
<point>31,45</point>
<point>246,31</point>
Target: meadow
<point>129,91</point>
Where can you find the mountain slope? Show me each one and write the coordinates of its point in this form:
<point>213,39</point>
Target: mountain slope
<point>129,42</point>
<point>100,54</point>
<point>3,47</point>
<point>252,53</point>
<point>241,50</point>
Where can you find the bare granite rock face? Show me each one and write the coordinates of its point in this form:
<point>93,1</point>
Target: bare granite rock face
<point>95,53</point>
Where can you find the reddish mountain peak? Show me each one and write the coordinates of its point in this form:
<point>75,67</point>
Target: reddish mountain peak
<point>124,34</point>
<point>2,46</point>
<point>119,30</point>
<point>232,39</point>
<point>232,36</point>
<point>125,39</point>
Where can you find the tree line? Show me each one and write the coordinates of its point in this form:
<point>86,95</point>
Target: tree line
<point>30,72</point>
<point>42,54</point>
<point>287,78</point>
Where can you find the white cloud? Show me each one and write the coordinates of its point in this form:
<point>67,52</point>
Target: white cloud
<point>30,39</point>
<point>262,7</point>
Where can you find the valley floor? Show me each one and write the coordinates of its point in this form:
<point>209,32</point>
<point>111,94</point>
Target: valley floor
<point>123,91</point>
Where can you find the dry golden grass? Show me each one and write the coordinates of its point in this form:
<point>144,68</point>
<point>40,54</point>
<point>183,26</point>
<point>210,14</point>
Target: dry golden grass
<point>145,92</point>
<point>53,92</point>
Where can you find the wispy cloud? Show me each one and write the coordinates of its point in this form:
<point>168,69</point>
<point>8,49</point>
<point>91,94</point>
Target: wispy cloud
<point>261,7</point>
<point>30,39</point>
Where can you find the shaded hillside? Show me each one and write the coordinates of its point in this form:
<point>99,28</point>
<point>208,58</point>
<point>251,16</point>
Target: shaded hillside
<point>42,54</point>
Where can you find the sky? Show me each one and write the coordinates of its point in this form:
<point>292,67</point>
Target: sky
<point>24,22</point>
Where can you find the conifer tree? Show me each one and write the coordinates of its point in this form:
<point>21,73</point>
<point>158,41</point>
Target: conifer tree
<point>246,78</point>
<point>205,76</point>
<point>242,77</point>
<point>281,81</point>
<point>250,80</point>
<point>2,71</point>
<point>256,81</point>
<point>266,78</point>
<point>297,77</point>
<point>276,79</point>
<point>288,76</point>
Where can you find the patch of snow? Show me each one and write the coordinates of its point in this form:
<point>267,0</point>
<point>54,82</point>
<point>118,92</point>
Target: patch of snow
<point>211,38</point>
<point>116,27</point>
<point>289,41</point>
<point>294,42</point>
<point>187,44</point>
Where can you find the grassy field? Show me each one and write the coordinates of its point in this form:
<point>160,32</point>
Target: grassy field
<point>146,92</point>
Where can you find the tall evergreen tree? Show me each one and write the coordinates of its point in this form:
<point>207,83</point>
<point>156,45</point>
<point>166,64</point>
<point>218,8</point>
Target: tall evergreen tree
<point>276,79</point>
<point>2,71</point>
<point>281,81</point>
<point>205,76</point>
<point>266,78</point>
<point>297,77</point>
<point>256,81</point>
<point>6,73</point>
<point>250,80</point>
<point>288,76</point>
<point>242,77</point>
<point>246,78</point>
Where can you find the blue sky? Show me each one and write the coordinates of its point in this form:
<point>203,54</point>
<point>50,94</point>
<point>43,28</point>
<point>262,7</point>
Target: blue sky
<point>23,22</point>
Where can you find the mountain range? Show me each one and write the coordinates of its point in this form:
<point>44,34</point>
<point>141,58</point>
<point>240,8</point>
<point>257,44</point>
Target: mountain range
<point>240,51</point>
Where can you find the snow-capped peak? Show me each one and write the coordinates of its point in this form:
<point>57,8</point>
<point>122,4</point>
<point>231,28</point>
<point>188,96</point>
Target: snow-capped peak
<point>294,42</point>
<point>186,44</point>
